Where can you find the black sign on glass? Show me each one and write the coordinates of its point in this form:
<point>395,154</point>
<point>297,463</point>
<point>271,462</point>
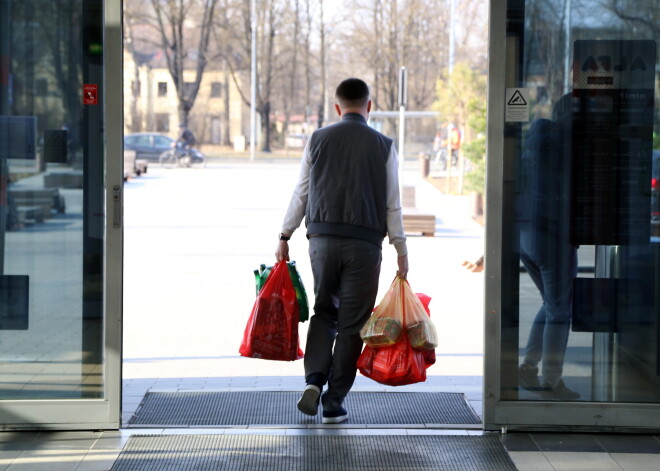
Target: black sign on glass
<point>612,129</point>
<point>14,302</point>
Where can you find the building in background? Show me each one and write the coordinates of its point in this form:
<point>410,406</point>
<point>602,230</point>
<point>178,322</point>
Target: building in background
<point>219,116</point>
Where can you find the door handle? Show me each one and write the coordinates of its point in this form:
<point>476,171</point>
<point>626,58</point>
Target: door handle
<point>116,206</point>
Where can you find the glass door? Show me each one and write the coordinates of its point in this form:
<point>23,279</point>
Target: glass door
<point>60,214</point>
<point>573,290</point>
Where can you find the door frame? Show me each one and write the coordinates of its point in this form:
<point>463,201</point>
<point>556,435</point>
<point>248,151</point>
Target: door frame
<point>511,414</point>
<point>104,413</point>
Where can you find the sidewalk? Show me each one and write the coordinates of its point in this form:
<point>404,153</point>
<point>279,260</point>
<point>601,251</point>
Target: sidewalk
<point>226,224</point>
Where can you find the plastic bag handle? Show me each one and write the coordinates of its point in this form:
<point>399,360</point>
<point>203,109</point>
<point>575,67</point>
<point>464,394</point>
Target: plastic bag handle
<point>403,303</point>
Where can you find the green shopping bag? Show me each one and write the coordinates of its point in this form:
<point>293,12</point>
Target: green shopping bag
<point>262,273</point>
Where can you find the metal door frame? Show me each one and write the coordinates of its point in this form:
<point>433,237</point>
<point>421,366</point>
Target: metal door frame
<point>105,413</point>
<point>526,415</point>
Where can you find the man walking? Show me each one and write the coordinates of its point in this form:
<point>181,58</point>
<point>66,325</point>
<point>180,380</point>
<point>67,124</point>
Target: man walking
<point>348,193</point>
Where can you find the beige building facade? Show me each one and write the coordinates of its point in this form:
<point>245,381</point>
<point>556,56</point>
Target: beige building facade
<point>219,115</point>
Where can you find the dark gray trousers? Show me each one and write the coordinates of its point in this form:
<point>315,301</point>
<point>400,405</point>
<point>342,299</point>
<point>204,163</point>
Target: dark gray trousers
<point>346,273</point>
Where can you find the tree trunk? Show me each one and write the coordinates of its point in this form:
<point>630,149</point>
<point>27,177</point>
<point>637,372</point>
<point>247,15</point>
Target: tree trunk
<point>226,138</point>
<point>321,106</point>
<point>290,94</point>
<point>264,113</point>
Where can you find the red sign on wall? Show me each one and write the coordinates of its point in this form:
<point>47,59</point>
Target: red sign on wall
<point>90,94</point>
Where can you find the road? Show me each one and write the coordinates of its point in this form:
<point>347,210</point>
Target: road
<point>194,236</point>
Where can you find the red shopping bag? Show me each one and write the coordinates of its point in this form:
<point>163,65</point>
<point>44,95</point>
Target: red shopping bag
<point>272,328</point>
<point>399,364</point>
<point>394,365</point>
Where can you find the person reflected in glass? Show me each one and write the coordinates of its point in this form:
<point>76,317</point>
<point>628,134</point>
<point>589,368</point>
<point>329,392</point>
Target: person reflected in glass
<point>546,251</point>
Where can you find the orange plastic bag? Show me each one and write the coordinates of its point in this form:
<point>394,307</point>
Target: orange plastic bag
<point>416,321</point>
<point>385,325</point>
<point>272,328</point>
<point>400,312</point>
<point>399,364</point>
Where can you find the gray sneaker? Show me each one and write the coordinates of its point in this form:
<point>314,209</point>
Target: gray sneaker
<point>528,378</point>
<point>559,392</point>
<point>309,401</point>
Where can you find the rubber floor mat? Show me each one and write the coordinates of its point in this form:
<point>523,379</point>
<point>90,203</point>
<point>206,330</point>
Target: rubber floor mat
<point>211,408</point>
<point>314,453</point>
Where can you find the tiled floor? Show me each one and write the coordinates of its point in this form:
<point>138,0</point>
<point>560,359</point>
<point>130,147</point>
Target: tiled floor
<point>557,451</point>
<point>97,451</point>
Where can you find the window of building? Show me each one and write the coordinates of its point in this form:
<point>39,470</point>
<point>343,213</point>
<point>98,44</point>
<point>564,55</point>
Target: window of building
<point>136,87</point>
<point>216,89</point>
<point>188,88</point>
<point>162,88</point>
<point>216,129</point>
<point>162,122</point>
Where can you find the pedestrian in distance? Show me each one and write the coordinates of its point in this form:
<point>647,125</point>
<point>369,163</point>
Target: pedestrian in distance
<point>348,194</point>
<point>186,139</point>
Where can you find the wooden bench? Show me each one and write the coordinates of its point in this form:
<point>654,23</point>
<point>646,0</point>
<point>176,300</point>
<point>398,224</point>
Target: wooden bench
<point>416,222</point>
<point>64,179</point>
<point>48,199</point>
<point>30,214</point>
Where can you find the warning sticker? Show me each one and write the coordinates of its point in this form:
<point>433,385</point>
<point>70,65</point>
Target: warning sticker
<point>90,94</point>
<point>517,105</point>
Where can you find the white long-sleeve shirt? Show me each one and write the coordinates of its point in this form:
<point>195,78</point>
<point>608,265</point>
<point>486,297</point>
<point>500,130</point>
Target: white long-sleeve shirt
<point>296,211</point>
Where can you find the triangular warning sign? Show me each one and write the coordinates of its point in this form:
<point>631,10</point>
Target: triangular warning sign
<point>517,99</point>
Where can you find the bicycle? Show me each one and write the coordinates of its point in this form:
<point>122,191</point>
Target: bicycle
<point>176,156</point>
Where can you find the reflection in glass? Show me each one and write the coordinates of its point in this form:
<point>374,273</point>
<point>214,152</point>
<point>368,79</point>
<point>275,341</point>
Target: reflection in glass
<point>546,252</point>
<point>51,228</point>
<point>581,320</point>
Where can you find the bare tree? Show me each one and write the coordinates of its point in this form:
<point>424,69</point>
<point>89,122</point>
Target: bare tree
<point>411,34</point>
<point>290,89</point>
<point>171,17</point>
<point>57,24</point>
<point>135,119</point>
<point>308,68</point>
<point>546,40</point>
<point>304,45</point>
<point>471,37</point>
<point>324,78</point>
<point>269,67</point>
<point>645,13</point>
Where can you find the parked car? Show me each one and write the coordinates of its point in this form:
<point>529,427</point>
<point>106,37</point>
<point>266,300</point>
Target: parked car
<point>150,145</point>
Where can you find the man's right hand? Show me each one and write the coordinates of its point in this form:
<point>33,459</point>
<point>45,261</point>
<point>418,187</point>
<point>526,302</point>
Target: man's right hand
<point>402,261</point>
<point>282,252</point>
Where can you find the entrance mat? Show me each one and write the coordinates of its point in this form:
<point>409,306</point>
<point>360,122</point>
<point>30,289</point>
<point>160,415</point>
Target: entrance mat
<point>314,452</point>
<point>227,408</point>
